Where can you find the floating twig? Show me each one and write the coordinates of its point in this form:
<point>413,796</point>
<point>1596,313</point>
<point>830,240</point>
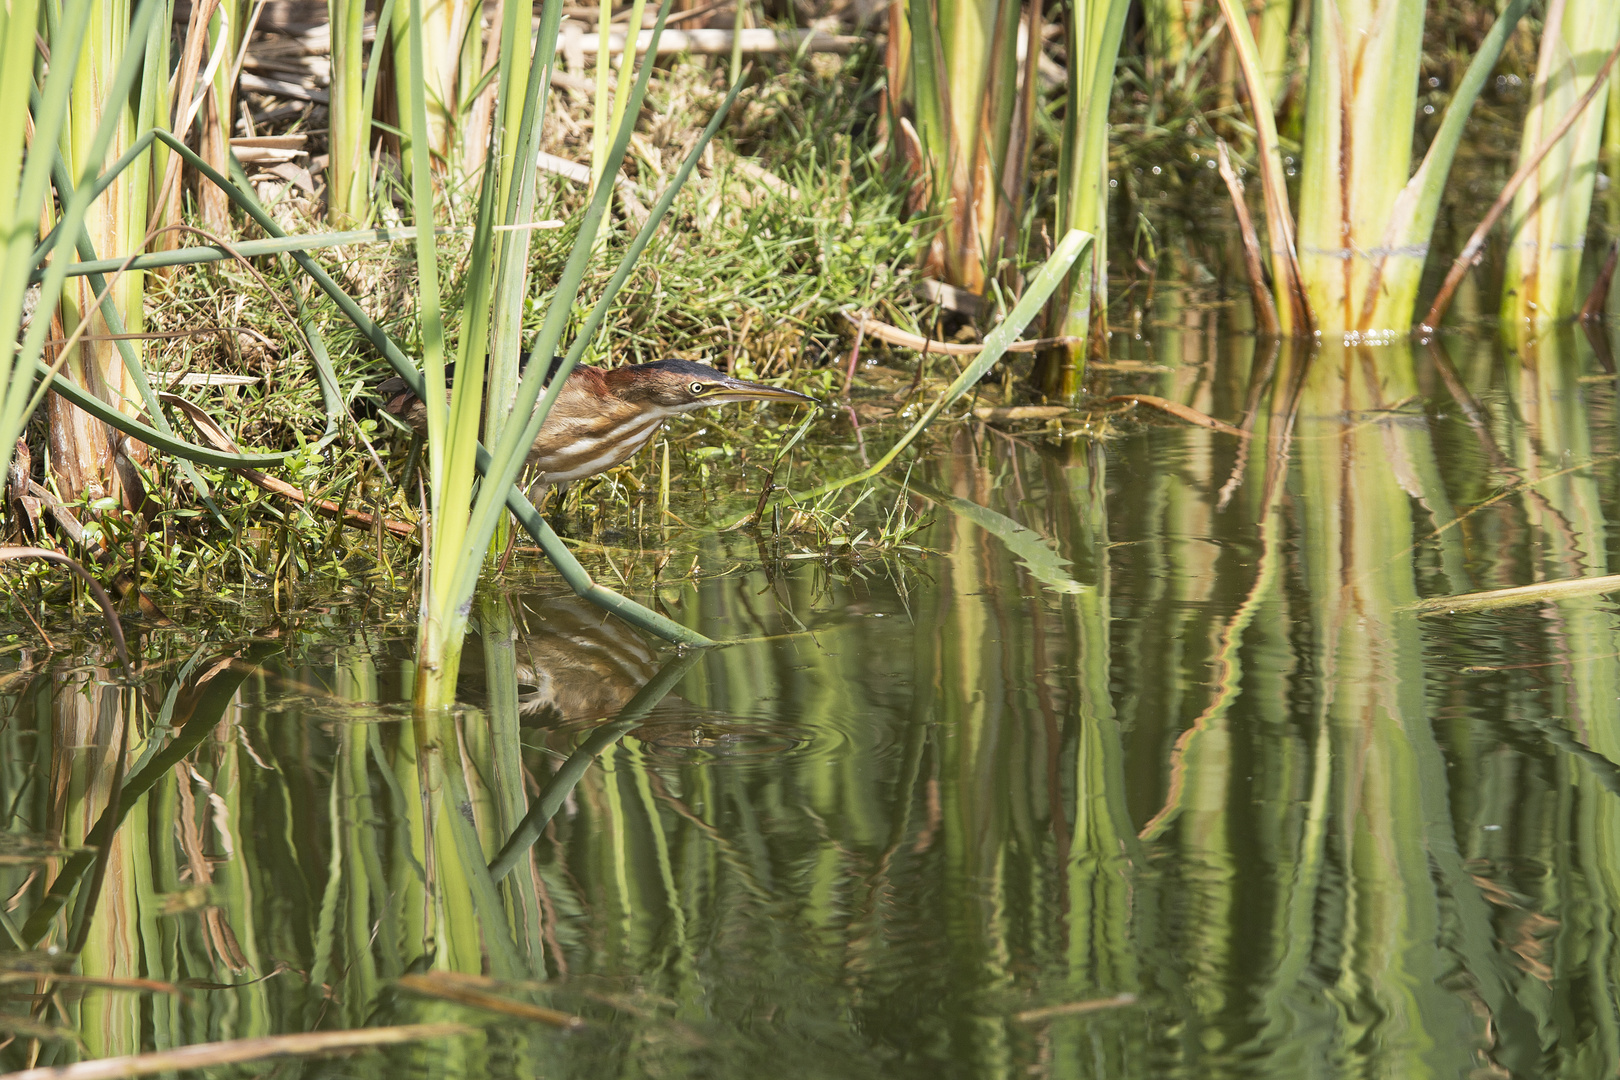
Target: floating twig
<point>1074,1008</point>
<point>893,335</point>
<point>241,1051</point>
<point>1518,595</point>
<point>1180,411</point>
<point>474,991</point>
<point>994,413</point>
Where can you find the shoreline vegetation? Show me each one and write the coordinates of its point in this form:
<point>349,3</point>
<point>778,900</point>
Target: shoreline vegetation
<point>814,244</point>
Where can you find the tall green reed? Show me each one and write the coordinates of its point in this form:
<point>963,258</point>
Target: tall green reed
<point>464,525</point>
<point>85,104</point>
<point>1092,31</point>
<point>973,122</point>
<point>1364,223</point>
<point>83,448</point>
<point>352,96</point>
<point>1550,212</point>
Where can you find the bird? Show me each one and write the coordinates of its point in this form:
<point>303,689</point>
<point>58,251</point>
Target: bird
<point>604,415</point>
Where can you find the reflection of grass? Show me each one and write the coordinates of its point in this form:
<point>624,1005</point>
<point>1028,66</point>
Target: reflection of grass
<point>1034,552</point>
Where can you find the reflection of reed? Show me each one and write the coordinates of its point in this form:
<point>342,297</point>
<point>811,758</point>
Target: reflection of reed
<point>152,887</point>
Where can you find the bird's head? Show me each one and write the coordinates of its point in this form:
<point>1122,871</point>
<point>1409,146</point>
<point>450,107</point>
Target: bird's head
<point>682,386</point>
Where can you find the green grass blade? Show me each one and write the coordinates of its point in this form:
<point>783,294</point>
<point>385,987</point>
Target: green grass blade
<point>510,452</point>
<point>50,115</point>
<point>276,245</point>
<point>512,277</point>
<point>427,263</point>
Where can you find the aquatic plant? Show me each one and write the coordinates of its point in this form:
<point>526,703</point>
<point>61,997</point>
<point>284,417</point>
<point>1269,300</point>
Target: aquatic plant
<point>1364,226</point>
<point>969,149</point>
<point>1548,225</point>
<point>1092,34</point>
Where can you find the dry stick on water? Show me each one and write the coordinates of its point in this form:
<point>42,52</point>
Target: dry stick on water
<point>1540,593</point>
<point>1178,410</point>
<point>242,1051</point>
<point>1476,243</point>
<point>1074,1008</point>
<point>1265,308</point>
<point>475,992</point>
<point>1598,298</point>
<point>893,335</point>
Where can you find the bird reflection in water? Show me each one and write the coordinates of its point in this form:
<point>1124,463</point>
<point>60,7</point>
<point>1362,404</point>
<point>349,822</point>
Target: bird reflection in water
<point>576,663</point>
<point>578,667</point>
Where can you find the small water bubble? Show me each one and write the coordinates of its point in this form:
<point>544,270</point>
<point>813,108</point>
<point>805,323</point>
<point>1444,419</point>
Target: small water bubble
<point>1434,82</point>
<point>1157,170</point>
<point>1113,183</point>
<point>1491,828</point>
<point>1428,110</point>
<point>1291,172</point>
<point>1210,162</point>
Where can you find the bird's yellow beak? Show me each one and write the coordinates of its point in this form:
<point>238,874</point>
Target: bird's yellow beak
<point>740,390</point>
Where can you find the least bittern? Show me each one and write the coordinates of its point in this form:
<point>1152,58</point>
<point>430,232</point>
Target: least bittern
<point>603,416</point>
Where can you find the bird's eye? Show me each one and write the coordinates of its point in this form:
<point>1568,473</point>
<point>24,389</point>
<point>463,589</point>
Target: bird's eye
<point>697,388</point>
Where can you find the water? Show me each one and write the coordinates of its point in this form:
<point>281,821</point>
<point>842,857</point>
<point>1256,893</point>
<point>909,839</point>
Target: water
<point>1121,781</point>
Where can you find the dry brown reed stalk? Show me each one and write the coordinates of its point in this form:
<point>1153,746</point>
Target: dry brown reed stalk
<point>244,1051</point>
<point>1265,308</point>
<point>474,991</point>
<point>1542,592</point>
<point>1471,251</point>
<point>1599,296</point>
<point>1285,271</point>
<point>166,206</point>
<point>1179,411</point>
<point>893,335</point>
